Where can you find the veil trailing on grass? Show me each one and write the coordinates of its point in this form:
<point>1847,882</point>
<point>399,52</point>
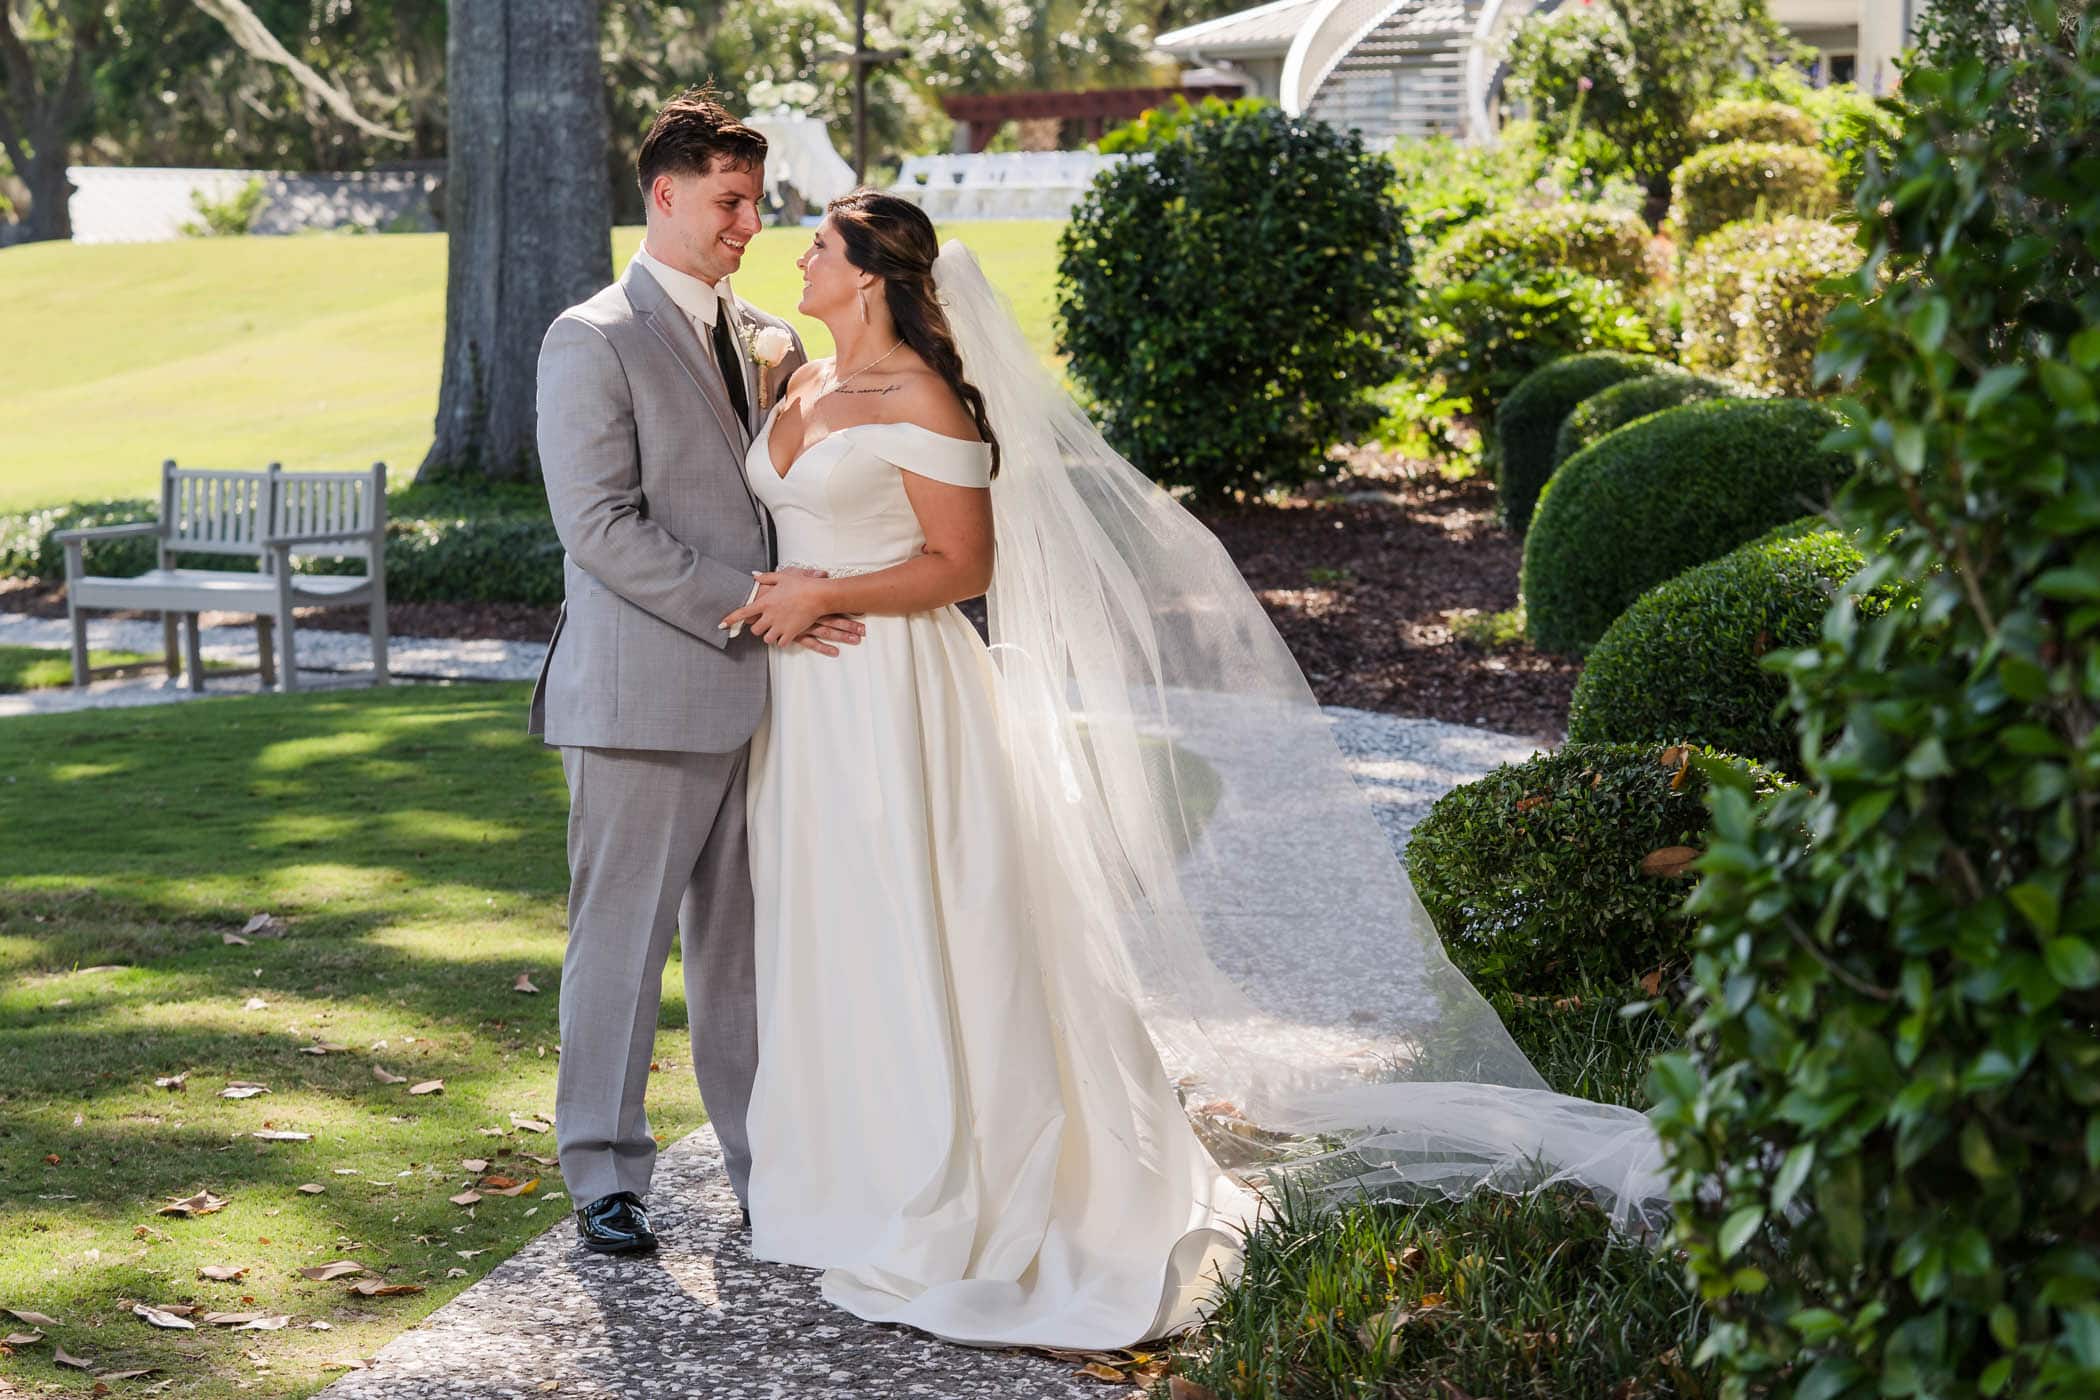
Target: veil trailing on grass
<point>1240,888</point>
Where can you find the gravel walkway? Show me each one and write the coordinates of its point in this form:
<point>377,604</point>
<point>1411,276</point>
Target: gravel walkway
<point>701,1317</point>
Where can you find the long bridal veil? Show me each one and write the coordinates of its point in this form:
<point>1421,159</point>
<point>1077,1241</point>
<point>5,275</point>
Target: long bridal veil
<point>1240,888</point>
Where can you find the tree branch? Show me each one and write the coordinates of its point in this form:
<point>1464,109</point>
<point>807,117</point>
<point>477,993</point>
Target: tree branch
<point>255,39</point>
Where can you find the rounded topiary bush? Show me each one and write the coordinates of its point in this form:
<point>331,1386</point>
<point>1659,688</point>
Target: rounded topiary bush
<point>1754,300</point>
<point>1205,372</point>
<point>1661,495</point>
<point>1749,179</point>
<point>1631,400</point>
<point>1686,658</point>
<point>1566,869</point>
<point>1528,422</point>
<point>1599,239</point>
<point>1773,123</point>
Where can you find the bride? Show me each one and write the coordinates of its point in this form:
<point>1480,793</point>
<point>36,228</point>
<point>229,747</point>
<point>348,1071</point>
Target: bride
<point>1060,938</point>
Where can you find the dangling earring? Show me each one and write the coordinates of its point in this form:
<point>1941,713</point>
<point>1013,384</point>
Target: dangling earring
<point>864,306</point>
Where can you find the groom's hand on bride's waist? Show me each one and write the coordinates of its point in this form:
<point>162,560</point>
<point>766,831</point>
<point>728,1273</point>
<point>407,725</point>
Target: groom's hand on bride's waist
<point>825,634</point>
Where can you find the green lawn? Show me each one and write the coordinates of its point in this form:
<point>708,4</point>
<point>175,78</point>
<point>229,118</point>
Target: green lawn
<point>413,838</point>
<point>43,668</point>
<point>319,352</point>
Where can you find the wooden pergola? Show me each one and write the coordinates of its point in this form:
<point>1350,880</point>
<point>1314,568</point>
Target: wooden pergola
<point>979,116</point>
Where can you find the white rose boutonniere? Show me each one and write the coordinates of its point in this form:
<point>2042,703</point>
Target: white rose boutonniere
<point>768,346</point>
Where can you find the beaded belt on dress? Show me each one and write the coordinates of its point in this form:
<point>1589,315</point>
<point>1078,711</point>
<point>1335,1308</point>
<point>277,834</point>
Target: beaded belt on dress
<point>838,570</point>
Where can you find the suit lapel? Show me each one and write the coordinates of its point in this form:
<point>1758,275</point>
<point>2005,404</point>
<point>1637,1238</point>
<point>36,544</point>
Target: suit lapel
<point>654,305</point>
<point>656,309</point>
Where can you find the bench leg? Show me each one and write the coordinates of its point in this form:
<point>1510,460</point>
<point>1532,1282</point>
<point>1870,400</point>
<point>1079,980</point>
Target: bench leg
<point>378,624</point>
<point>287,657</point>
<point>192,651</point>
<point>80,650</point>
<point>266,648</point>
<point>169,647</point>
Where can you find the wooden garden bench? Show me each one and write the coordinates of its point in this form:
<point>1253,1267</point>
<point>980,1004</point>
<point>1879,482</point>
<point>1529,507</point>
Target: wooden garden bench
<point>268,516</point>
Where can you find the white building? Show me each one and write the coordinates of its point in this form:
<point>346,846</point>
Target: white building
<point>1416,67</point>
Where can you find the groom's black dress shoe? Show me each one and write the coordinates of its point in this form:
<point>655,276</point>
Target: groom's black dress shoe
<point>615,1224</point>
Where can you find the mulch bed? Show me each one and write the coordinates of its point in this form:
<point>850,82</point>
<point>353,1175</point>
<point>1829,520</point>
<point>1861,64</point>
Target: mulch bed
<point>1363,584</point>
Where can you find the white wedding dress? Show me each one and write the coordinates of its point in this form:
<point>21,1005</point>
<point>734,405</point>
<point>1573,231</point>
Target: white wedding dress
<point>953,1117</point>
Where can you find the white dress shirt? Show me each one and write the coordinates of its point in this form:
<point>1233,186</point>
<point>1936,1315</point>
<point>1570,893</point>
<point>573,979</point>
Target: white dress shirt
<point>702,304</point>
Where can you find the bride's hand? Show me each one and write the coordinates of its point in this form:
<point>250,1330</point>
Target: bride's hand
<point>789,604</point>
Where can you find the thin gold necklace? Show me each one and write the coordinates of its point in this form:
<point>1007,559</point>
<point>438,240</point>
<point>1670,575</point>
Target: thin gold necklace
<point>838,384</point>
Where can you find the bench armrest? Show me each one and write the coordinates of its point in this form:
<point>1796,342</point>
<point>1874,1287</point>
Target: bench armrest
<point>106,532</point>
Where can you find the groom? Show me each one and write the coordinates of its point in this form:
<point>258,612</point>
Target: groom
<point>649,396</point>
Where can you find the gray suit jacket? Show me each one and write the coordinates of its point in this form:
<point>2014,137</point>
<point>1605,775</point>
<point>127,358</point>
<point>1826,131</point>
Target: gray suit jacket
<point>643,458</point>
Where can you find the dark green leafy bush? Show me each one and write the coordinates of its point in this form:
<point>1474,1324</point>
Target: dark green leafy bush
<point>1533,874</point>
<point>1528,422</point>
<point>1749,180</point>
<point>1686,658</point>
<point>1481,337</point>
<point>1886,1142</point>
<point>1658,496</point>
<point>1855,126</point>
<point>1752,120</point>
<point>1598,239</point>
<point>1446,183</point>
<point>1206,376</point>
<point>1633,399</point>
<point>27,549</point>
<point>1755,301</point>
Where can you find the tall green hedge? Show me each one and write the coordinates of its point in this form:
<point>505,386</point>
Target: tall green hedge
<point>1755,298</point>
<point>1529,420</point>
<point>1631,399</point>
<point>1885,1140</point>
<point>1661,495</point>
<point>1599,239</point>
<point>1776,123</point>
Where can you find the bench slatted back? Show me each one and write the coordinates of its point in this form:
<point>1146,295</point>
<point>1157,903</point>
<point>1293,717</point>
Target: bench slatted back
<point>215,512</point>
<point>348,508</point>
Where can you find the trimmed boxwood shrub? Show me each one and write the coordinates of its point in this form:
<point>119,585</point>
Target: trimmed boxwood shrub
<point>1598,239</point>
<point>1774,123</point>
<point>498,558</point>
<point>1479,338</point>
<point>1633,399</point>
<point>1528,422</point>
<point>1755,303</point>
<point>1885,1139</point>
<point>1687,657</point>
<point>1206,373</point>
<point>1533,874</point>
<point>1749,180</point>
<point>1658,496</point>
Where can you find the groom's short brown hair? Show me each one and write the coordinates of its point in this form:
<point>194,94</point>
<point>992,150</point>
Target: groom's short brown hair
<point>692,132</point>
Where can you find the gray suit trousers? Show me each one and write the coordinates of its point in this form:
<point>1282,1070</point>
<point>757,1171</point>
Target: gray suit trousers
<point>656,846</point>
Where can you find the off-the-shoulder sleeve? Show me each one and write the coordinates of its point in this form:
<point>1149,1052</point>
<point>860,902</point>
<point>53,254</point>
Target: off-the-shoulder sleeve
<point>923,452</point>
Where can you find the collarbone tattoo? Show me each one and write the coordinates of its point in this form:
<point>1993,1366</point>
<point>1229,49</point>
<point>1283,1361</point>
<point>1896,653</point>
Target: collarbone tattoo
<point>875,389</point>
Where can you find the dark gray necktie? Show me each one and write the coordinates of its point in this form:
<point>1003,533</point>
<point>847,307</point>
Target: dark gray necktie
<point>731,366</point>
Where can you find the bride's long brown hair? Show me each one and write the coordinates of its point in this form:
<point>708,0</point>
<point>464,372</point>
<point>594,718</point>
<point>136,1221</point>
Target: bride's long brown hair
<point>892,238</point>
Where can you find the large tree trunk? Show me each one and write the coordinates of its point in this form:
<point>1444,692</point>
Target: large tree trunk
<point>41,104</point>
<point>528,213</point>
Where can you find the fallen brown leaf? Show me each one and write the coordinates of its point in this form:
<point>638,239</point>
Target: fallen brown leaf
<point>1102,1373</point>
<point>163,1317</point>
<point>21,1339</point>
<point>1669,862</point>
<point>34,1319</point>
<point>1182,1388</point>
<point>467,1198</point>
<point>380,1073</point>
<point>455,1272</point>
<point>243,1089</point>
<point>203,1203</point>
<point>270,1322</point>
<point>380,1288</point>
<point>58,1354</point>
<point>222,1273</point>
<point>282,1135</point>
<point>311,1188</point>
<point>255,1004</point>
<point>524,984</point>
<point>529,1124</point>
<point>229,1319</point>
<point>1652,983</point>
<point>324,1047</point>
<point>523,1188</point>
<point>321,1273</point>
<point>127,1375</point>
<point>428,1086</point>
<point>474,1164</point>
<point>233,940</point>
<point>172,1082</point>
<point>264,926</point>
